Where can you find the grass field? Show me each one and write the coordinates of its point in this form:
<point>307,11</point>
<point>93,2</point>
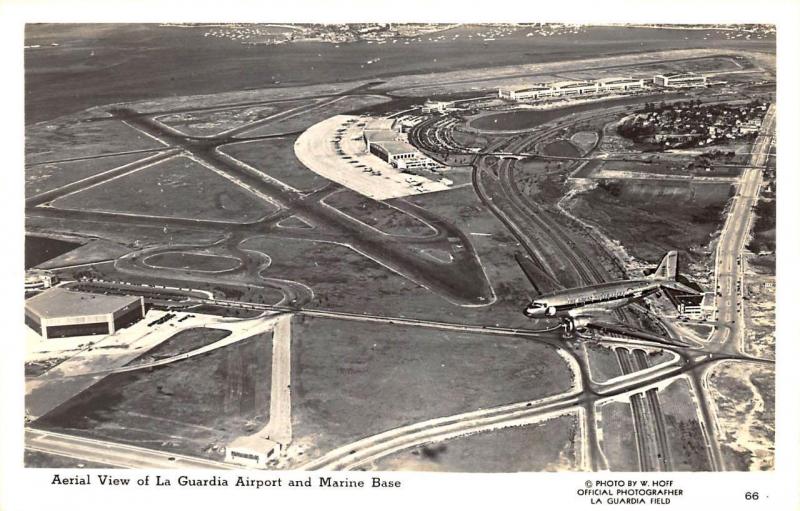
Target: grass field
<point>378,214</point>
<point>514,120</point>
<point>49,176</point>
<point>35,459</point>
<point>351,382</point>
<point>176,188</point>
<point>618,441</point>
<point>94,251</point>
<point>182,342</point>
<point>79,139</point>
<point>275,158</point>
<point>192,261</point>
<point>190,407</point>
<point>603,363</point>
<point>550,445</point>
<point>207,123</point>
<point>39,249</point>
<point>563,148</point>
<point>652,217</point>
<point>684,434</point>
<point>584,140</point>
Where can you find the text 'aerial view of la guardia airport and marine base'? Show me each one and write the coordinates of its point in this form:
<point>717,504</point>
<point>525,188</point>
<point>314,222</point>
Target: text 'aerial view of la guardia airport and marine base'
<point>461,248</point>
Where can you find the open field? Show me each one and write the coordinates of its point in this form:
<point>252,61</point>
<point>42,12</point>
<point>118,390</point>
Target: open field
<point>182,342</point>
<point>686,444</point>
<point>563,148</point>
<point>618,441</point>
<point>81,138</point>
<point>44,177</point>
<point>759,310</point>
<point>36,459</point>
<point>584,140</point>
<point>378,214</point>
<point>387,376</point>
<point>744,402</point>
<point>275,157</point>
<point>134,236</point>
<point>603,363</point>
<point>194,406</point>
<point>39,249</point>
<point>176,188</point>
<point>192,261</point>
<point>92,252</point>
<point>525,119</point>
<point>642,216</point>
<point>205,123</point>
<point>552,445</point>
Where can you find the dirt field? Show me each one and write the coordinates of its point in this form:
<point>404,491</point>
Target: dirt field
<point>744,400</point>
<point>759,309</point>
<point>378,214</point>
<point>176,188</point>
<point>387,376</point>
<point>190,407</point>
<point>275,157</point>
<point>549,446</point>
<point>192,261</point>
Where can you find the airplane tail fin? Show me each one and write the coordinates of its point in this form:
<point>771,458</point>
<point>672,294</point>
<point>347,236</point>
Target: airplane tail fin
<point>668,268</point>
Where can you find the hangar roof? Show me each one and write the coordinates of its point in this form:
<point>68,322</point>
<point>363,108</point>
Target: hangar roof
<point>397,147</point>
<point>58,302</point>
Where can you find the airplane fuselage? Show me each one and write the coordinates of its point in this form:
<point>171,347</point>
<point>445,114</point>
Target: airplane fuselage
<point>598,297</point>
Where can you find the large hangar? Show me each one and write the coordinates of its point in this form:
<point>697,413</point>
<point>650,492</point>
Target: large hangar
<point>61,313</point>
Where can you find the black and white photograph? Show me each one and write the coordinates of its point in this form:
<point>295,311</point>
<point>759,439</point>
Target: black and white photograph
<point>399,248</point>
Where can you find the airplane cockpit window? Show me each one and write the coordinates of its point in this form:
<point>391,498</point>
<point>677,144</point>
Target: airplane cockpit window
<point>538,305</point>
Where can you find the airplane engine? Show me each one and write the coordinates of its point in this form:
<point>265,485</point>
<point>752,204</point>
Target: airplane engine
<point>551,311</point>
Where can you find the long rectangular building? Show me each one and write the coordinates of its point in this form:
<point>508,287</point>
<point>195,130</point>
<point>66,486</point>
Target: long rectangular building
<point>570,88</point>
<point>680,80</point>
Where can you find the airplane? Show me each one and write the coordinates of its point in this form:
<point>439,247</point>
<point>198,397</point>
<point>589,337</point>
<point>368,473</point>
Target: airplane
<point>592,306</point>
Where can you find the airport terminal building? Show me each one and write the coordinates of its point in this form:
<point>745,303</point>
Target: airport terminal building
<point>681,80</point>
<point>571,88</point>
<point>58,312</point>
<point>389,145</point>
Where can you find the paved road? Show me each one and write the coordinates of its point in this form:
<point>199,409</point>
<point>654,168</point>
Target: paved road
<point>111,453</point>
<point>279,428</point>
<point>727,337</point>
<point>731,242</point>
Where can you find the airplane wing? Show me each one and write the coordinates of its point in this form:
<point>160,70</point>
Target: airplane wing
<point>539,279</point>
